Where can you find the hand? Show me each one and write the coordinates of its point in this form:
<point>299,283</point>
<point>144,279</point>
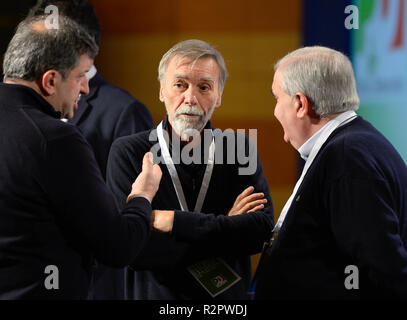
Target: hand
<point>147,182</point>
<point>248,202</point>
<point>162,220</point>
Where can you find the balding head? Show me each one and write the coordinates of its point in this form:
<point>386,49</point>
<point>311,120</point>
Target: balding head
<point>35,49</point>
<point>39,27</point>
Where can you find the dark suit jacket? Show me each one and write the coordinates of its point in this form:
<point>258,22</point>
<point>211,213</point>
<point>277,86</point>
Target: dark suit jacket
<point>55,209</point>
<point>106,114</point>
<point>160,271</point>
<point>349,210</point>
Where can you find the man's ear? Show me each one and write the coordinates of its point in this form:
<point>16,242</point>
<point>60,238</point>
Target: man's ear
<point>161,95</point>
<point>49,82</point>
<point>219,101</point>
<point>302,105</point>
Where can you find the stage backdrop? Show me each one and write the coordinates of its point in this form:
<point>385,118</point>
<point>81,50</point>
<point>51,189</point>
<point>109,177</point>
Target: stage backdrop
<point>379,55</point>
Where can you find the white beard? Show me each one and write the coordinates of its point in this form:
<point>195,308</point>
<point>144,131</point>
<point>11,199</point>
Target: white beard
<point>187,127</point>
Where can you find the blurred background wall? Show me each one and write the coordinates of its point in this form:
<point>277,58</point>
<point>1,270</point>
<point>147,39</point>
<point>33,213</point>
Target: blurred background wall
<point>252,35</point>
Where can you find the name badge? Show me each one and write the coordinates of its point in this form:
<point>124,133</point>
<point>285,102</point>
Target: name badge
<point>214,275</point>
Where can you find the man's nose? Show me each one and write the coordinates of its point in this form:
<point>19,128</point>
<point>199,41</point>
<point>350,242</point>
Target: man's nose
<point>85,86</point>
<point>190,97</point>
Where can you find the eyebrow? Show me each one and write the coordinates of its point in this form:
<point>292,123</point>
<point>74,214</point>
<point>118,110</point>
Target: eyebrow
<point>208,79</point>
<point>181,76</point>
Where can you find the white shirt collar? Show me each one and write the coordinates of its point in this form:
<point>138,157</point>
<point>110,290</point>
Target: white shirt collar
<point>306,148</point>
<point>91,73</point>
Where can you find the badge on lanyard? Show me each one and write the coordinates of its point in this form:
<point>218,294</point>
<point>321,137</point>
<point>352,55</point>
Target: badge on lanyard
<point>174,175</point>
<point>214,275</point>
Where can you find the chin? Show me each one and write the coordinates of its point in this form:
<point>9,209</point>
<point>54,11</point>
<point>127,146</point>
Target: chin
<point>181,126</point>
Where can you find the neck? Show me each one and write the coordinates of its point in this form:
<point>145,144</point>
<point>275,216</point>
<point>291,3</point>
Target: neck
<point>32,84</point>
<point>316,123</point>
<point>36,87</point>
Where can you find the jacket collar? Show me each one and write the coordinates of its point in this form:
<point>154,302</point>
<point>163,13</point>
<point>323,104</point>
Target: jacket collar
<point>17,94</point>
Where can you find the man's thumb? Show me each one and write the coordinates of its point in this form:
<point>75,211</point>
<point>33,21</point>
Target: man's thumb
<point>148,161</point>
<point>157,170</point>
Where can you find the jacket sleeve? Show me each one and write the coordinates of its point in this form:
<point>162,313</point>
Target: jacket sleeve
<point>85,208</point>
<point>242,234</point>
<point>161,250</point>
<point>195,235</point>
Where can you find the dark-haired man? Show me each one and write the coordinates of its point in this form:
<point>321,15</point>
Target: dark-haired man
<point>56,211</point>
<point>107,112</point>
<point>103,115</point>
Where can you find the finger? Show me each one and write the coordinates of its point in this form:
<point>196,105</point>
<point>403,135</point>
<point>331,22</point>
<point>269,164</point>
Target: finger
<point>255,196</point>
<point>253,204</point>
<point>147,163</point>
<point>258,208</point>
<point>245,193</point>
<point>250,198</point>
<point>157,171</point>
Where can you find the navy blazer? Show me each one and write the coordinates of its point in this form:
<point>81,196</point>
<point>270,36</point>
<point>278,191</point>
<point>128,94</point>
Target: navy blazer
<point>106,114</point>
<point>350,210</point>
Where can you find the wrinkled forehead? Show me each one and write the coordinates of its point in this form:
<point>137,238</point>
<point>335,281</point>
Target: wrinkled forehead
<point>180,60</point>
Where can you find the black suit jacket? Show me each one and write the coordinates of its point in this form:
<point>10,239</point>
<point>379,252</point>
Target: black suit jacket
<point>55,208</point>
<point>160,271</point>
<point>350,210</point>
<point>106,114</point>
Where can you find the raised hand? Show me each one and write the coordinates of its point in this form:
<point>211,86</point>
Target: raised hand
<point>248,201</point>
<point>147,182</point>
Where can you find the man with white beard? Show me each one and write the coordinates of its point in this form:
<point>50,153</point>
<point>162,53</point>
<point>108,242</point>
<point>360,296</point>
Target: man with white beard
<point>209,215</point>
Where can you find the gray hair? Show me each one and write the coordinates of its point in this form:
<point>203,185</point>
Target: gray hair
<point>193,49</point>
<point>33,51</point>
<point>325,76</point>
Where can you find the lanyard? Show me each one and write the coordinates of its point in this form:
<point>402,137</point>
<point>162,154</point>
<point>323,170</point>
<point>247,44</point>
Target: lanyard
<point>330,127</point>
<point>174,176</point>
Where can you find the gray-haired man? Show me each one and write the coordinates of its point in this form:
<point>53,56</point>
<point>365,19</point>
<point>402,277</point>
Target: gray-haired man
<point>208,218</point>
<point>343,232</point>
<point>56,211</point>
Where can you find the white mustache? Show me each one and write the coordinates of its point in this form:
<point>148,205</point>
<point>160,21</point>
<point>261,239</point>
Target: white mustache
<point>189,110</point>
